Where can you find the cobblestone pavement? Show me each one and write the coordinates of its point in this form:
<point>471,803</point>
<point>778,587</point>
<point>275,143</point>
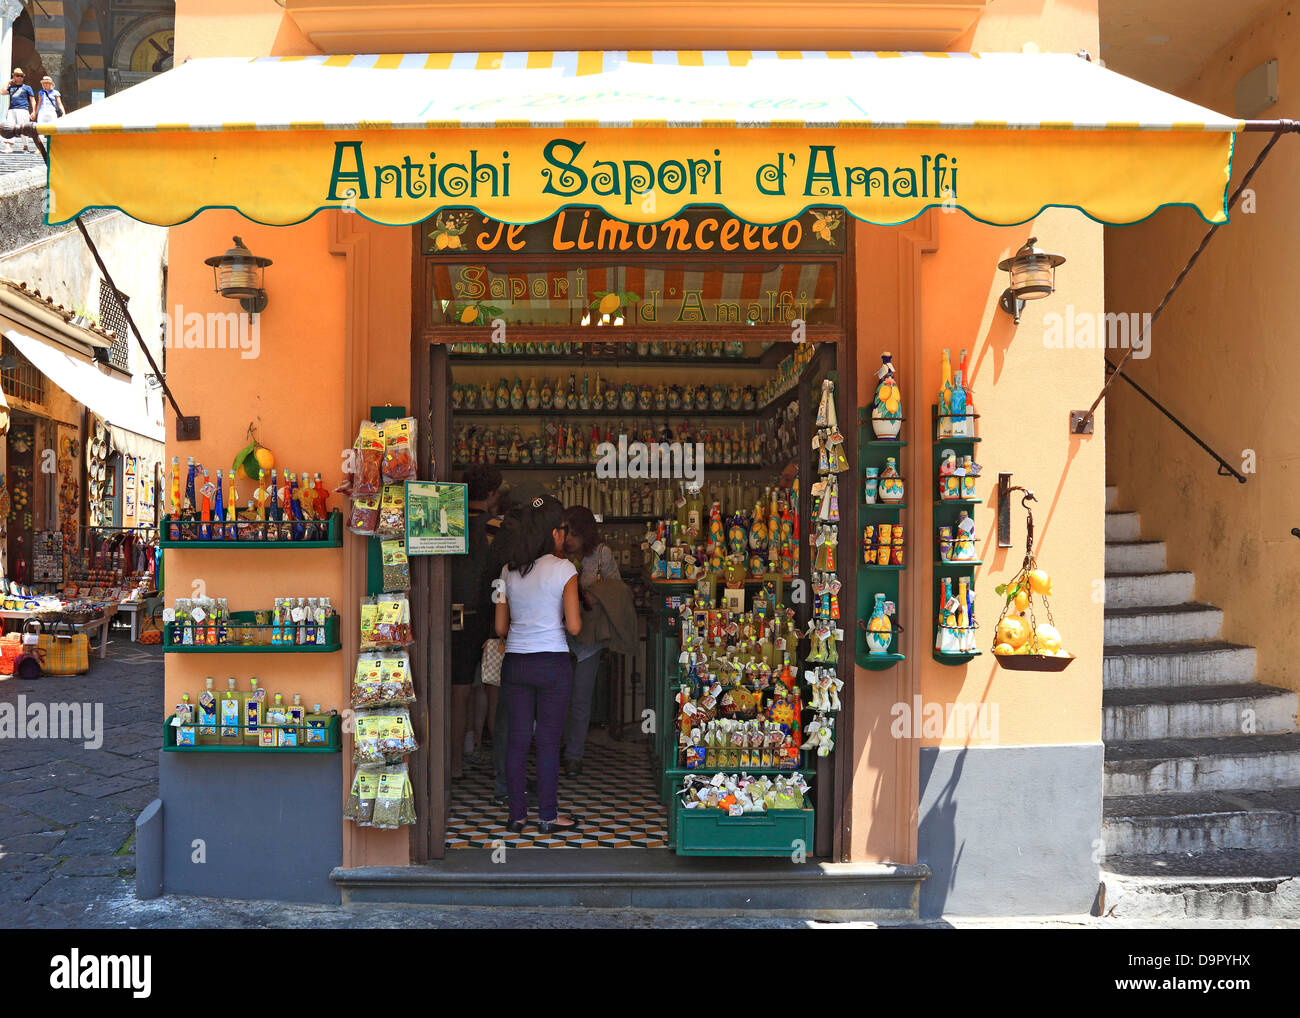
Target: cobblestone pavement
<point>67,816</point>
<point>67,811</point>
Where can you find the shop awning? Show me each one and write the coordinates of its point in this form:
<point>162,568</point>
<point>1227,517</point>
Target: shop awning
<point>137,430</point>
<point>521,135</point>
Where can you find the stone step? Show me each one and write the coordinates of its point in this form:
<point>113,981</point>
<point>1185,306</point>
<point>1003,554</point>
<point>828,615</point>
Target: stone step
<point>1200,822</point>
<point>1161,766</point>
<point>1134,557</point>
<point>1122,526</point>
<point>1127,627</point>
<point>1112,496</point>
<point>649,878</point>
<point>1149,590</point>
<point>1191,712</point>
<point>1213,663</point>
<point>1220,885</point>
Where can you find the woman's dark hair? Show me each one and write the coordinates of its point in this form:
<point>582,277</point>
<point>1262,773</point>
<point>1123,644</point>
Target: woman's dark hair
<point>528,532</point>
<point>582,525</point>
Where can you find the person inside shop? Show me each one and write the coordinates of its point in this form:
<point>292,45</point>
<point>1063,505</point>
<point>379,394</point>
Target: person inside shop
<point>540,606</point>
<point>595,563</point>
<point>510,503</point>
<point>20,109</point>
<point>49,102</point>
<point>471,588</point>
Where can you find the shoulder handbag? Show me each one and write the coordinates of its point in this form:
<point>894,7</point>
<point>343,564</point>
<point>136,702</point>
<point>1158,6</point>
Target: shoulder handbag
<point>494,652</point>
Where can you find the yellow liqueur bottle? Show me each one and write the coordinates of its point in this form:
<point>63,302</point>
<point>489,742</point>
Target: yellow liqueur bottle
<point>254,709</point>
<point>231,714</point>
<point>207,715</point>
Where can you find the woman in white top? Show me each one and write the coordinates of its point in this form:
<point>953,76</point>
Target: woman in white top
<point>540,605</point>
<point>49,102</point>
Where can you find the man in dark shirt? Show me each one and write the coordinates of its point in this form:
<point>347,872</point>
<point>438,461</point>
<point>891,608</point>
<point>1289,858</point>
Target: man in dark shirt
<point>471,588</point>
<point>20,109</point>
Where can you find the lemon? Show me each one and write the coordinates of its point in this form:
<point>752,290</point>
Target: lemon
<point>1004,648</point>
<point>609,303</point>
<point>1048,638</point>
<point>469,315</point>
<point>1040,582</point>
<point>1013,630</point>
<point>264,458</point>
<point>1022,600</point>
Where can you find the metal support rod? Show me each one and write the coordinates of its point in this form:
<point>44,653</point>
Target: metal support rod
<point>1279,128</point>
<point>1225,468</point>
<point>117,296</point>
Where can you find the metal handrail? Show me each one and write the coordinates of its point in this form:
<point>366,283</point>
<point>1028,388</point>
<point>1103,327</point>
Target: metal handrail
<point>1225,468</point>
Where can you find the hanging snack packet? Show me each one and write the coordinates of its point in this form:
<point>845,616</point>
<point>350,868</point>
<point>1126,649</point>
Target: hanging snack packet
<point>365,738</point>
<point>389,798</point>
<point>367,682</point>
<point>368,460</point>
<point>393,628</point>
<point>392,511</point>
<point>395,685</point>
<point>360,805</point>
<point>394,735</point>
<point>369,616</point>
<point>397,572</point>
<point>407,816</point>
<point>364,517</point>
<point>399,450</point>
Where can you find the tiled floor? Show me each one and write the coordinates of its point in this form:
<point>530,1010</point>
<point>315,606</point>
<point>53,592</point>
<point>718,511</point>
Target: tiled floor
<point>614,800</point>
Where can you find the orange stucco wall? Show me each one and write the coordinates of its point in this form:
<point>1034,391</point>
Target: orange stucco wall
<point>1222,359</point>
<point>308,398</point>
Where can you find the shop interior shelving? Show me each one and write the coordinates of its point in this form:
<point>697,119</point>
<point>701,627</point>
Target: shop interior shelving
<point>946,513</point>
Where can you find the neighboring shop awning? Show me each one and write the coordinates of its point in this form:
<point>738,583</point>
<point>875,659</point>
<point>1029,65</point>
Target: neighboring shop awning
<point>136,430</point>
<point>521,135</point>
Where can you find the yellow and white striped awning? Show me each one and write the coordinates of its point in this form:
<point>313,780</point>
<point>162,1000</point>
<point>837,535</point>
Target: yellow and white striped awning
<point>641,134</point>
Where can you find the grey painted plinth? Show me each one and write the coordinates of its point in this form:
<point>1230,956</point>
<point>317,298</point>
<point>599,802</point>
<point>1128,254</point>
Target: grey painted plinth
<point>1010,830</point>
<point>264,826</point>
<point>149,852</point>
<point>642,879</point>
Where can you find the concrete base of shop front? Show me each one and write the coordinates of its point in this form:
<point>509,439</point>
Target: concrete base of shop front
<point>247,825</point>
<point>621,878</point>
<point>1010,830</point>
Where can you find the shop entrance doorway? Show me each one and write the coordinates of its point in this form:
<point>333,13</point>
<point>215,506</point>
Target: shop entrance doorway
<point>563,367</point>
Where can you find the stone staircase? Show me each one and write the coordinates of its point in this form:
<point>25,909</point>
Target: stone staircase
<point>1202,784</point>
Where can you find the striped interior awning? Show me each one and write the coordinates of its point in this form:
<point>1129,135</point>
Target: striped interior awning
<point>521,135</point>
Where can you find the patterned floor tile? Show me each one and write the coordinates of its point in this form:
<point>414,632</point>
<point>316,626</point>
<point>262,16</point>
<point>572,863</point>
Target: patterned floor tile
<point>614,800</point>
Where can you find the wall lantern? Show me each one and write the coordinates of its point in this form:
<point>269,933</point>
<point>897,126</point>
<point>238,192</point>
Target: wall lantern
<point>1033,275</point>
<point>237,274</point>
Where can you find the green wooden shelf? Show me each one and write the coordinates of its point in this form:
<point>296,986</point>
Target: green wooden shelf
<point>244,620</point>
<point>883,443</point>
<point>880,662</point>
<point>334,743</point>
<point>955,659</point>
<point>959,565</point>
<point>883,569</point>
<point>947,441</point>
<point>334,540</point>
<point>882,505</point>
<point>940,502</point>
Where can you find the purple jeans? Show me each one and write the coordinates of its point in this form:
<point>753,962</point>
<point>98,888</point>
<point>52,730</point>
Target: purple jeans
<point>536,689</point>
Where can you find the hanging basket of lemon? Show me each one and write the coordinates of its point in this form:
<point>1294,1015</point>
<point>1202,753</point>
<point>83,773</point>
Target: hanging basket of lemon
<point>1021,642</point>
